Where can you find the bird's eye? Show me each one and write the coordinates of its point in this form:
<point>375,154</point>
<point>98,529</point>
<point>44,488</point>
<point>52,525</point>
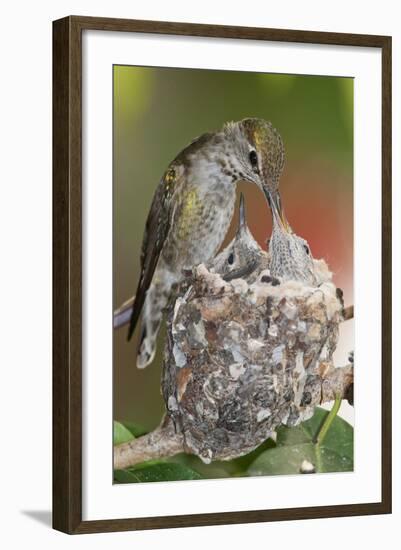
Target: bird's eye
<point>253,159</point>
<point>230,259</point>
<point>306,248</point>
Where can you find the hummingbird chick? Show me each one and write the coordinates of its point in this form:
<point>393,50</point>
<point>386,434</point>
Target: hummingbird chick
<point>290,255</point>
<point>242,256</point>
<point>192,209</point>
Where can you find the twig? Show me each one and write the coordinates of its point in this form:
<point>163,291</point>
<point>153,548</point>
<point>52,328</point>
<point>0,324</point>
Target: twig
<point>160,443</point>
<point>328,421</point>
<point>337,382</point>
<point>348,313</point>
<point>122,315</point>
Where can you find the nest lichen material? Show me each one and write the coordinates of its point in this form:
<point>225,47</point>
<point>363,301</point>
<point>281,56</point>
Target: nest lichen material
<point>244,356</point>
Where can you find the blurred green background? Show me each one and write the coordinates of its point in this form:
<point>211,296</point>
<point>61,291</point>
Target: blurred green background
<point>157,111</point>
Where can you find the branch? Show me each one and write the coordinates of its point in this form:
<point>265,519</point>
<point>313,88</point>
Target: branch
<point>348,313</point>
<point>160,443</point>
<point>122,315</point>
<point>337,382</point>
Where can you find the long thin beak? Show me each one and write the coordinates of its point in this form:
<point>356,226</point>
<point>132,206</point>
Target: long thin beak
<point>274,201</point>
<point>242,219</point>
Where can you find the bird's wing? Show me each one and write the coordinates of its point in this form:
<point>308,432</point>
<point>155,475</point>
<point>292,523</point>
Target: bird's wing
<point>156,230</point>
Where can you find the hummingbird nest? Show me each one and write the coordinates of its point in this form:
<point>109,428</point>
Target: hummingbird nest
<point>246,355</point>
<point>250,341</point>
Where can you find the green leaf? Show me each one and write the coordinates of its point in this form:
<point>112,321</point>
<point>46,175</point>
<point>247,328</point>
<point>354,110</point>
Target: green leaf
<point>136,429</point>
<point>164,471</point>
<point>243,462</point>
<point>215,470</point>
<point>294,445</point>
<point>222,468</point>
<point>124,476</point>
<point>339,438</point>
<point>121,434</point>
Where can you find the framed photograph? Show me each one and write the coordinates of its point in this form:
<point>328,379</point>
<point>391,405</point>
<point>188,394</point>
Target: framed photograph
<point>222,274</point>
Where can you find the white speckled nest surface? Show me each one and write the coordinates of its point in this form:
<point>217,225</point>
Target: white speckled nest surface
<point>242,359</point>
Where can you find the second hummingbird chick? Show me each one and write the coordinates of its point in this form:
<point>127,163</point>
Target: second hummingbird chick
<point>242,257</point>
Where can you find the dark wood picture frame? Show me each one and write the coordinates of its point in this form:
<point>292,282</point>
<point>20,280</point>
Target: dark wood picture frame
<point>67,274</point>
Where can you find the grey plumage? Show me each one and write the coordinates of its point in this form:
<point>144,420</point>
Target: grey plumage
<point>290,255</point>
<point>242,256</point>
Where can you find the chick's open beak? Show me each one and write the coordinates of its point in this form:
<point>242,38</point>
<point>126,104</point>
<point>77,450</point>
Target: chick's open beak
<point>277,210</point>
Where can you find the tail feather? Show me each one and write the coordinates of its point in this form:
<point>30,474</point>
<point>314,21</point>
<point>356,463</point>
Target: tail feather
<point>156,300</point>
<point>151,303</point>
<point>147,347</point>
<point>150,326</point>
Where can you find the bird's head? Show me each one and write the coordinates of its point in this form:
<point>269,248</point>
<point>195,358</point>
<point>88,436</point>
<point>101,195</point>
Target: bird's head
<point>260,150</point>
<point>241,253</point>
<point>290,255</point>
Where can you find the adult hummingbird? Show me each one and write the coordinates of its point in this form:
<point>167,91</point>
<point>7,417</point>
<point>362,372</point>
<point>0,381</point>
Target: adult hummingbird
<point>192,209</point>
